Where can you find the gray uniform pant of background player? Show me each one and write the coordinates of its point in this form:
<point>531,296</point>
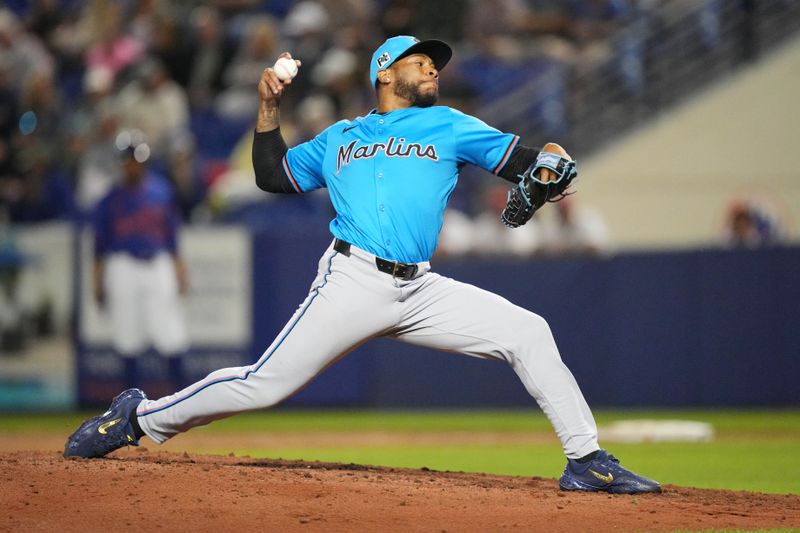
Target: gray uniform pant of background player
<point>350,302</point>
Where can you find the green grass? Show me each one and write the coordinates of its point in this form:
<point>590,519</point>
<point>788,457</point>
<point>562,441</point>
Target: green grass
<point>284,419</point>
<point>737,466</point>
<point>753,450</point>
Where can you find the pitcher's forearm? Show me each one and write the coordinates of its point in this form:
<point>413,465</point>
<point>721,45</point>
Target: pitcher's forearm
<point>268,117</point>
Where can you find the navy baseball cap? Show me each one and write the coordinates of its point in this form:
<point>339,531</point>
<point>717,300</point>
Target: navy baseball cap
<point>405,45</point>
<point>139,152</point>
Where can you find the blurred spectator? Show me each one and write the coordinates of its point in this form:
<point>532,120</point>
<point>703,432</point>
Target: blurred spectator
<point>22,52</point>
<point>44,17</point>
<point>186,178</point>
<point>98,165</point>
<point>156,105</point>
<point>456,238</point>
<point>314,114</point>
<point>308,29</point>
<point>42,109</point>
<point>41,191</point>
<point>571,228</point>
<point>211,53</point>
<point>485,235</point>
<point>494,238</point>
<point>96,97</point>
<point>9,116</point>
<point>36,188</point>
<point>235,186</point>
<point>496,28</point>
<point>143,20</point>
<point>69,40</point>
<point>591,22</point>
<point>307,18</point>
<point>172,47</point>
<point>343,69</point>
<point>397,17</point>
<point>113,47</point>
<point>344,14</point>
<point>436,20</point>
<point>257,51</point>
<point>752,224</point>
<point>83,121</point>
<point>336,73</point>
<point>440,20</point>
<point>546,27</point>
<point>233,11</point>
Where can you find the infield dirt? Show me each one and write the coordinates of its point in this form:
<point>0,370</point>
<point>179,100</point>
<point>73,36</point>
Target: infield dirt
<point>141,490</point>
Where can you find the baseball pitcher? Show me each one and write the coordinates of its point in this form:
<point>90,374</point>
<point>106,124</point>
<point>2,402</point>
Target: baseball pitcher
<point>389,175</point>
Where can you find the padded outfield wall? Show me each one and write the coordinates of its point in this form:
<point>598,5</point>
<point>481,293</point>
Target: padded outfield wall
<point>690,328</point>
<point>685,328</point>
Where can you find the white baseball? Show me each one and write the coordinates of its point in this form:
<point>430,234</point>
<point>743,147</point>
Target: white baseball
<point>285,68</point>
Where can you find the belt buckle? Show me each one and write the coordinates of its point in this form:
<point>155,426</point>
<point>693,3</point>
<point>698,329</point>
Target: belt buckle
<point>394,269</point>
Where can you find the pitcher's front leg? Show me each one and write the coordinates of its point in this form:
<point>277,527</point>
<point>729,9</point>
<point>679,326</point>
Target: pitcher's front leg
<point>449,315</point>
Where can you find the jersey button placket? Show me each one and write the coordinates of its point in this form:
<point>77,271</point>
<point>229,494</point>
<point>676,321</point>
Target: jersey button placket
<point>380,198</point>
<point>381,186</point>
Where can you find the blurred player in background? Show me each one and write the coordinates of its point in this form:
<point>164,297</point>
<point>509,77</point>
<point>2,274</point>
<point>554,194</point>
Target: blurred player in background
<point>138,273</point>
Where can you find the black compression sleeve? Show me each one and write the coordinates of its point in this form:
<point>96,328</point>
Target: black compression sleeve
<point>518,162</point>
<point>268,151</point>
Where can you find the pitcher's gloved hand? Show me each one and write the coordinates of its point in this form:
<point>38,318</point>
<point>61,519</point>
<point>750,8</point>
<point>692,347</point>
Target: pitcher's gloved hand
<point>546,180</point>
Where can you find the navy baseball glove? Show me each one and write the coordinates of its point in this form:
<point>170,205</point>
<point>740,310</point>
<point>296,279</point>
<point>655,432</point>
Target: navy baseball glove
<point>532,193</point>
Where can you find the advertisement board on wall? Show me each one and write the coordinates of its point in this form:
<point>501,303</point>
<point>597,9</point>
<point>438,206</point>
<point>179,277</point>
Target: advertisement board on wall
<point>36,295</point>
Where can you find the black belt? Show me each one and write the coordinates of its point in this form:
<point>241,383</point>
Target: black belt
<point>395,269</point>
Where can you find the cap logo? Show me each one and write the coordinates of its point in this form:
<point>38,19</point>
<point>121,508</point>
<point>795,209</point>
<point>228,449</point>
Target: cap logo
<point>383,59</point>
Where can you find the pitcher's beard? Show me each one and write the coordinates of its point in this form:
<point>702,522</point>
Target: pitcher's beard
<point>413,94</point>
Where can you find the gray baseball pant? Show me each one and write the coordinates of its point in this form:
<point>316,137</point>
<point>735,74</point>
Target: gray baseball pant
<point>351,302</point>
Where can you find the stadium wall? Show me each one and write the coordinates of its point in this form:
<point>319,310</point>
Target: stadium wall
<point>689,328</point>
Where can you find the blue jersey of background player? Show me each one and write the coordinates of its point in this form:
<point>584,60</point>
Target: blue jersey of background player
<point>138,219</point>
<point>137,216</point>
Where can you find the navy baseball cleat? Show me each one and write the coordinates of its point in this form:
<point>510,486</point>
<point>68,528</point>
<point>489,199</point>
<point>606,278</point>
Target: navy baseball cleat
<point>604,473</point>
<point>110,431</point>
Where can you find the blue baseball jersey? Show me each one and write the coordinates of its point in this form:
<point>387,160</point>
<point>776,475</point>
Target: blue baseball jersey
<point>140,221</point>
<point>390,176</point>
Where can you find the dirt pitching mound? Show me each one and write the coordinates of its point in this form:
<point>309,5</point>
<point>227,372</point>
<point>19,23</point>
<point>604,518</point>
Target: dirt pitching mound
<point>146,491</point>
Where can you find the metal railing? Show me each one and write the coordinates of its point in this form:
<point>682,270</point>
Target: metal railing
<point>659,57</point>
